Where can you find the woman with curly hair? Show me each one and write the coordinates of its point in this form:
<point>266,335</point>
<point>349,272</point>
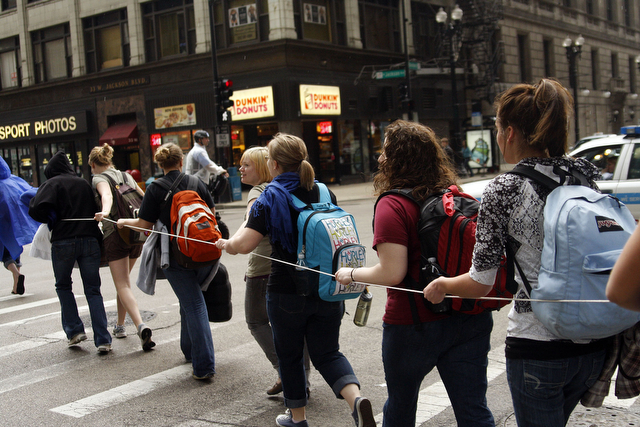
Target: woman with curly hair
<point>457,345</point>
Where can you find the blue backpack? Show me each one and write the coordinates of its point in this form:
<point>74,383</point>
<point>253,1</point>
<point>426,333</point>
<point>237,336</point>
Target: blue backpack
<point>584,233</point>
<point>327,240</point>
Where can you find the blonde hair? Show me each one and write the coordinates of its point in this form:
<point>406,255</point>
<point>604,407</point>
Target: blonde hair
<point>258,156</point>
<point>101,155</point>
<point>168,155</point>
<point>291,154</point>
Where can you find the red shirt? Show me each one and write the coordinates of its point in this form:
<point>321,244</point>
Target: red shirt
<point>396,221</point>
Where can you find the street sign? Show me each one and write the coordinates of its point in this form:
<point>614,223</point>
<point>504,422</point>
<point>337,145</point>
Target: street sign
<point>389,74</point>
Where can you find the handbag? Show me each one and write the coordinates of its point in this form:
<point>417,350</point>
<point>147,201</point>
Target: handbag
<point>217,297</point>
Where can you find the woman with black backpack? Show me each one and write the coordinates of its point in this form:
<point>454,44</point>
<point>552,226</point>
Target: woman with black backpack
<point>457,344</point>
<point>120,255</point>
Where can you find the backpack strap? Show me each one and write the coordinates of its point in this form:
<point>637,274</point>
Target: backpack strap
<point>324,196</point>
<point>572,177</point>
<point>164,183</point>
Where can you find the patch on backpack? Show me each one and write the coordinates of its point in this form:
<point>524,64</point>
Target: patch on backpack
<point>607,224</point>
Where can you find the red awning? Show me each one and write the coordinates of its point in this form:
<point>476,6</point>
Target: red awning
<point>123,133</point>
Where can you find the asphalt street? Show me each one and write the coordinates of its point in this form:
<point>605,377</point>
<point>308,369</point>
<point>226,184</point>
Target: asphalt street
<point>43,382</point>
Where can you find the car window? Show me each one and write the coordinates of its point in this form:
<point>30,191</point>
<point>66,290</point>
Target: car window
<point>634,164</point>
<point>605,158</point>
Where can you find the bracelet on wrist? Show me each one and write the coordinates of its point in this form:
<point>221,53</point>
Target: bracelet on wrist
<point>352,270</point>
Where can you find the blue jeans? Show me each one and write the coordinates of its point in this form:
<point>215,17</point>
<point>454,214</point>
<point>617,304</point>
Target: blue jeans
<point>296,318</point>
<point>458,347</point>
<point>545,392</point>
<point>196,341</point>
<point>86,251</point>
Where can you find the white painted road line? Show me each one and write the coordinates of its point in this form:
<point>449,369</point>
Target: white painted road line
<point>82,308</point>
<point>82,407</point>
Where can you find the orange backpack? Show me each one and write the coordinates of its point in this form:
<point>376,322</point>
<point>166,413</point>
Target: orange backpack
<point>194,225</point>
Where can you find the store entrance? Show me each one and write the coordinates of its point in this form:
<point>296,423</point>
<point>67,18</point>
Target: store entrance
<point>322,147</point>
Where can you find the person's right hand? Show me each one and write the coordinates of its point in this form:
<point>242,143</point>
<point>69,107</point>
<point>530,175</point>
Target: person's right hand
<point>221,243</point>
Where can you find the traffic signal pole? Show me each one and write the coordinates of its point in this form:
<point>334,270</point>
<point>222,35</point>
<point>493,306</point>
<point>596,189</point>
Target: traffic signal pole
<point>222,130</point>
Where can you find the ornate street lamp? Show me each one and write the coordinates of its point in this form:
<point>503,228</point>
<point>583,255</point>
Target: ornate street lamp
<point>452,32</point>
<point>574,49</point>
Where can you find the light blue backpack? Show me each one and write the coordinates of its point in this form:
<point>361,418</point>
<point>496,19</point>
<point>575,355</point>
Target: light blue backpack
<point>584,233</point>
<point>327,240</point>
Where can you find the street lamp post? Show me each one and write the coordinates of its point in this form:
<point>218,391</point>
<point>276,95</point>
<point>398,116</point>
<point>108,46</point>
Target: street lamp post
<point>449,31</point>
<point>574,49</point>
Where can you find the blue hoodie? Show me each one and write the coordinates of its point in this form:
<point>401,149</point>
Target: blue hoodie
<point>17,228</point>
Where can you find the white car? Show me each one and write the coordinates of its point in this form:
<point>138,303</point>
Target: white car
<point>620,152</point>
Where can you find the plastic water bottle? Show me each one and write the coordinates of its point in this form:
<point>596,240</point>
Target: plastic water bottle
<point>432,272</point>
<point>302,276</point>
<point>363,308</point>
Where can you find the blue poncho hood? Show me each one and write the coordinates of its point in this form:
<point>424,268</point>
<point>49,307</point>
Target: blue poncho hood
<point>17,228</point>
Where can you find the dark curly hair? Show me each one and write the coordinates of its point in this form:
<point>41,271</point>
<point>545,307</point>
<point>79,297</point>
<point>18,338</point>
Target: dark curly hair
<point>412,158</point>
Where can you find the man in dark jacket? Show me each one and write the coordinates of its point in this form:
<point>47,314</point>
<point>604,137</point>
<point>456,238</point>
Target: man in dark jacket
<point>67,204</point>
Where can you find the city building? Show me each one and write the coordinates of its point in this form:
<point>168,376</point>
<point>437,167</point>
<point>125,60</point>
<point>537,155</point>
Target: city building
<point>135,74</point>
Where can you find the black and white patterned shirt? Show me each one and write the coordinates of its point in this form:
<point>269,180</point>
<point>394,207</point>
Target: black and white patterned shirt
<point>511,213</point>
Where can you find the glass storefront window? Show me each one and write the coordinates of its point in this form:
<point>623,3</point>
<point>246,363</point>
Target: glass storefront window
<point>237,144</point>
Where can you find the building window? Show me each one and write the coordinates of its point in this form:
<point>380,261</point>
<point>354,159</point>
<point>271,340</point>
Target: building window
<point>52,53</point>
<point>10,63</point>
<point>626,12</point>
<point>241,21</point>
<point>8,4</point>
<point>523,58</point>
<point>380,25</point>
<point>595,70</point>
<point>549,66</point>
<point>425,30</point>
<point>322,20</point>
<point>590,6</point>
<point>633,82</point>
<point>169,29</point>
<point>610,8</point>
<point>106,41</point>
<point>615,70</point>
<point>567,3</point>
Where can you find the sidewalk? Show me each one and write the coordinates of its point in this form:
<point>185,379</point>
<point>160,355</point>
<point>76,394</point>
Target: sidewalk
<point>352,191</point>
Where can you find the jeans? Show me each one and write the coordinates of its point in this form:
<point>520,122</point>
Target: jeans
<point>295,318</point>
<point>196,341</point>
<point>545,392</point>
<point>458,347</point>
<point>86,251</point>
<point>255,312</point>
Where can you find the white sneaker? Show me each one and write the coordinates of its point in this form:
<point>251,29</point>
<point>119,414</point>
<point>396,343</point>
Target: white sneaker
<point>104,348</point>
<point>119,331</point>
<point>77,339</point>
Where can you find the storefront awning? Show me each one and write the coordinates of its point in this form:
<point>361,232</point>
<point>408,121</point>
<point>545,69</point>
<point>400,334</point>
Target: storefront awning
<point>123,133</point>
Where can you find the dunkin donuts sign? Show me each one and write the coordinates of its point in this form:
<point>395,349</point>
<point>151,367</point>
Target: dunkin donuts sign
<point>320,100</point>
<point>252,103</point>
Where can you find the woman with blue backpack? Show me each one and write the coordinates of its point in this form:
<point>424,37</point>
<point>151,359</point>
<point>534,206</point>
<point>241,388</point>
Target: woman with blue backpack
<point>547,375</point>
<point>297,316</point>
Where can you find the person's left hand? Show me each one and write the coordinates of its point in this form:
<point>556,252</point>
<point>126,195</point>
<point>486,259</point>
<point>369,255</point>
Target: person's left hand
<point>221,243</point>
<point>433,291</point>
<point>121,223</point>
<point>343,275</point>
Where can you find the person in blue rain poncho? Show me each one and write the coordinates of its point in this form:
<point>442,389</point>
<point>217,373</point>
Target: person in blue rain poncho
<point>17,228</point>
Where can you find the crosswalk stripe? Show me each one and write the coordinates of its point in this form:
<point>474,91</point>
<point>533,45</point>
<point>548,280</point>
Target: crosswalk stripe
<point>86,406</point>
<point>107,304</point>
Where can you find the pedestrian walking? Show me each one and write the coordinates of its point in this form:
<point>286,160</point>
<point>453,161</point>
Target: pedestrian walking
<point>65,202</point>
<point>17,228</point>
<point>457,345</point>
<point>547,376</point>
<point>296,318</point>
<point>196,341</point>
<point>120,255</point>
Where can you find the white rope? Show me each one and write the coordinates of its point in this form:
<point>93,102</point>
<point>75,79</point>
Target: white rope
<point>364,283</point>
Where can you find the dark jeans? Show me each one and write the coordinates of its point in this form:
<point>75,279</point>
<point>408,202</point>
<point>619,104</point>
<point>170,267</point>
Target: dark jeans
<point>296,318</point>
<point>458,347</point>
<point>196,341</point>
<point>86,252</point>
<point>545,392</point>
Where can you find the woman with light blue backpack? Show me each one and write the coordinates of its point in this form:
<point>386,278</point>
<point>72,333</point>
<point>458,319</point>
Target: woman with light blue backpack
<point>297,317</point>
<point>547,375</point>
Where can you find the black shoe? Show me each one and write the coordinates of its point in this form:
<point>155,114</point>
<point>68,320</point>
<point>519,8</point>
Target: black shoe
<point>20,287</point>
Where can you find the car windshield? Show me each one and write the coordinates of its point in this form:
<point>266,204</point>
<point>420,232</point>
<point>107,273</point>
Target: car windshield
<point>605,158</point>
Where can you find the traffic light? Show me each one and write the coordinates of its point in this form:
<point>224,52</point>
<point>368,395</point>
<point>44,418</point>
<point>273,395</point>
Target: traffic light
<point>224,93</point>
<point>403,92</point>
